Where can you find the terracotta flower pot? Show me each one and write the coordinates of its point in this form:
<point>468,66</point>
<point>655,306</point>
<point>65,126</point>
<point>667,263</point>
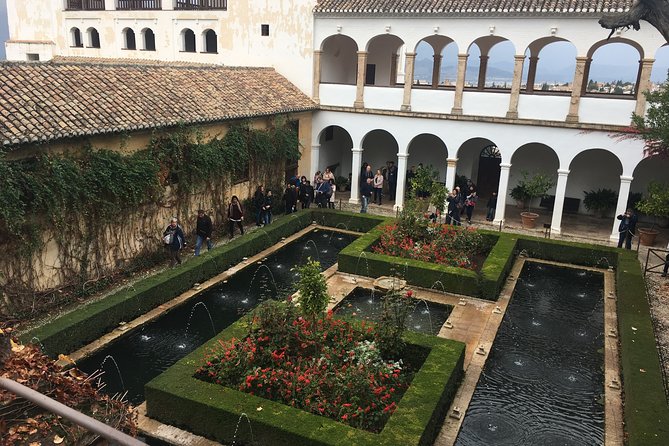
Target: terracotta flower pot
<point>647,236</point>
<point>529,219</point>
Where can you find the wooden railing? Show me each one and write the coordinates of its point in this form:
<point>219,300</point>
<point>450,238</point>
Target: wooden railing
<point>201,4</point>
<point>138,4</point>
<point>88,5</point>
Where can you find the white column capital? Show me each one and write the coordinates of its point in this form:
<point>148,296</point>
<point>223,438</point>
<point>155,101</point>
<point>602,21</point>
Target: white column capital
<point>518,57</point>
<point>402,155</point>
<point>505,166</point>
<point>451,161</point>
<point>410,54</point>
<point>563,172</point>
<point>626,179</point>
<point>356,150</point>
<point>315,147</point>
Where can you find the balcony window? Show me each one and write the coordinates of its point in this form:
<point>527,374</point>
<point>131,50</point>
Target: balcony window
<point>149,39</point>
<point>138,4</point>
<point>188,41</point>
<point>76,38</point>
<point>129,39</point>
<point>85,5</point>
<point>202,4</point>
<point>210,42</point>
<point>93,38</point>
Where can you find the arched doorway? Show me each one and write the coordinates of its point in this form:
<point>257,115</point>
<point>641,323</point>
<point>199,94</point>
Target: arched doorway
<point>488,171</point>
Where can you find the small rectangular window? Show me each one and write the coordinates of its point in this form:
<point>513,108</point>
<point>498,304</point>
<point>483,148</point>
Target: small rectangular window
<point>264,30</point>
<point>32,56</point>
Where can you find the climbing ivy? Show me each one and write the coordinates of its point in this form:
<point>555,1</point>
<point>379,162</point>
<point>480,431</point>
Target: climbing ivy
<point>74,196</point>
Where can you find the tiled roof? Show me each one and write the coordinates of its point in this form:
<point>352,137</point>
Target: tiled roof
<point>470,6</point>
<point>69,97</point>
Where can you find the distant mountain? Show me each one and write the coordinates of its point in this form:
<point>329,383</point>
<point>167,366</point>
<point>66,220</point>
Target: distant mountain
<point>503,71</point>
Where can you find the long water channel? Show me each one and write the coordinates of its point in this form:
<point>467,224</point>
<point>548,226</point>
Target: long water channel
<point>143,354</point>
<point>543,382</point>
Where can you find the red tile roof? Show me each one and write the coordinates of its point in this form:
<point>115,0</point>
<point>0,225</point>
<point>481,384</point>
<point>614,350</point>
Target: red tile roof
<point>470,6</point>
<point>70,97</point>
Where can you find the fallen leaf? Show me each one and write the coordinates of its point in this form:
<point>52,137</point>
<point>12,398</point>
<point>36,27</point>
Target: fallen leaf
<point>35,443</point>
<point>259,409</point>
<point>633,328</point>
<point>57,440</point>
<point>16,347</point>
<point>642,370</point>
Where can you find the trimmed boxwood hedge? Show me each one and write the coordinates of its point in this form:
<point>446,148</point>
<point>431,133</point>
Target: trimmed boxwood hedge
<point>177,398</point>
<point>346,220</point>
<point>79,327</point>
<point>485,284</point>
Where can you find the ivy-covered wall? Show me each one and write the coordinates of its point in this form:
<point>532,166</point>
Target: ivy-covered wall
<point>72,217</point>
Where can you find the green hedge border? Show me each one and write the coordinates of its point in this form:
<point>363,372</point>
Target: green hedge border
<point>81,326</point>
<point>177,398</point>
<point>485,284</point>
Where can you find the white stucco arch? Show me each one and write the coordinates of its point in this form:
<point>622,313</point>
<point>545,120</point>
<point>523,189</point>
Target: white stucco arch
<point>339,60</point>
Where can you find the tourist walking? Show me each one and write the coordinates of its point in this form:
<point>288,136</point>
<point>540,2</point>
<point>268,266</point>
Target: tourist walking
<point>365,195</point>
<point>323,194</point>
<point>303,194</point>
<point>492,206</point>
<point>290,198</point>
<point>203,229</point>
<point>470,202</point>
<point>174,240</point>
<point>378,187</point>
<point>627,228</point>
<point>392,180</point>
<point>267,208</point>
<point>235,216</point>
<point>258,200</point>
<point>333,189</point>
<point>452,212</point>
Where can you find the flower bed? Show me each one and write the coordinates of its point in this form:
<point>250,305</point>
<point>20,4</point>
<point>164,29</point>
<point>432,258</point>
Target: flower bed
<point>435,243</point>
<point>179,398</point>
<point>326,366</point>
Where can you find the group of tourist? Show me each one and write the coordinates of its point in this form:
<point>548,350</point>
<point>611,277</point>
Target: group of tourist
<point>174,237</point>
<point>301,190</point>
<point>373,184</point>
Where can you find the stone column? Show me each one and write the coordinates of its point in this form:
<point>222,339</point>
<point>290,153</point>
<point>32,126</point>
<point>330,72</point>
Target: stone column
<point>504,171</point>
<point>408,81</point>
<point>560,192</point>
<point>401,180</point>
<point>460,84</point>
<point>451,164</point>
<point>531,74</point>
<point>577,88</point>
<point>621,207</point>
<point>315,160</point>
<point>643,85</point>
<point>436,70</point>
<point>483,68</point>
<point>317,75</point>
<point>356,165</point>
<point>393,71</point>
<point>360,81</point>
<point>515,86</point>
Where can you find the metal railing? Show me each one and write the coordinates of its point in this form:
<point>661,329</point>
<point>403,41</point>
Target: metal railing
<point>85,5</point>
<point>655,260</point>
<point>138,4</point>
<point>201,4</point>
<point>91,424</point>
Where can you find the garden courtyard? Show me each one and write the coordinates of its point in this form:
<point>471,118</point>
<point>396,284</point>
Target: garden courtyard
<point>464,304</point>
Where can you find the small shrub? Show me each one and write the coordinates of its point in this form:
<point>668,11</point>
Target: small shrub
<point>396,308</point>
<point>313,289</point>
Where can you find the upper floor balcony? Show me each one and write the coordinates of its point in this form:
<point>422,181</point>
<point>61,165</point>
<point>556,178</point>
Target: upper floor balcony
<point>132,5</point>
<point>85,5</point>
<point>201,4</point>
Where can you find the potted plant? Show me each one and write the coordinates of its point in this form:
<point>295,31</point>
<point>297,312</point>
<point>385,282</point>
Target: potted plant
<point>655,204</point>
<point>531,188</point>
<point>341,183</point>
<point>600,201</point>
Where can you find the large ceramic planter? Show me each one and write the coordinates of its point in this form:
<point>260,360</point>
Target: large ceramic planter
<point>529,219</point>
<point>647,236</point>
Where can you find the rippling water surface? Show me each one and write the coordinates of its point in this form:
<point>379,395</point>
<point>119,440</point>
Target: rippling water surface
<point>543,382</point>
<point>148,351</point>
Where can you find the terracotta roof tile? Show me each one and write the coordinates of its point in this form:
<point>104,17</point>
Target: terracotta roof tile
<point>72,97</point>
<point>470,6</point>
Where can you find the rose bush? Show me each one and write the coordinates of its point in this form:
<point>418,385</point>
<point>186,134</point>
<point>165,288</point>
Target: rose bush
<point>325,366</point>
<point>437,243</point>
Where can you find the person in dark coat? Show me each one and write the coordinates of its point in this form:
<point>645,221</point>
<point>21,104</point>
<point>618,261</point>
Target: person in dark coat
<point>174,239</point>
<point>267,208</point>
<point>235,216</point>
<point>290,198</point>
<point>392,180</point>
<point>203,229</point>
<point>258,199</point>
<point>366,195</point>
<point>492,206</point>
<point>453,213</point>
<point>323,194</point>
<point>627,228</point>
